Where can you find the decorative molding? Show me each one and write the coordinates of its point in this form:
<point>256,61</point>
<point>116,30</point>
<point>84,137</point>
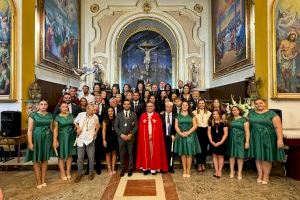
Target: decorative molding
<point>94,8</point>
<point>130,14</point>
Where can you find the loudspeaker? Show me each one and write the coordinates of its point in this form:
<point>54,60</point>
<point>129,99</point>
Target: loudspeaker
<point>10,123</point>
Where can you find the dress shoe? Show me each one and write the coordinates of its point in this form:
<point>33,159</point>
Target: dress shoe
<point>171,170</point>
<point>78,178</point>
<point>91,176</point>
<point>153,173</point>
<point>146,172</point>
<point>122,173</point>
<point>86,173</point>
<point>129,173</point>
<point>98,171</point>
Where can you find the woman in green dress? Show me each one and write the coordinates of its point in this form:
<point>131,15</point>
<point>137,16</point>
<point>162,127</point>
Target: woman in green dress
<point>186,141</point>
<point>239,137</point>
<point>266,140</point>
<point>39,142</point>
<point>63,140</point>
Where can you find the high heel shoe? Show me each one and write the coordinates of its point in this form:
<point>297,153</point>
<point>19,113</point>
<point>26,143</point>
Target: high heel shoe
<point>39,186</point>
<point>69,177</point>
<point>239,178</point>
<point>184,175</point>
<point>188,176</point>
<point>44,184</point>
<point>264,182</point>
<point>64,178</point>
<point>258,180</point>
<point>231,175</point>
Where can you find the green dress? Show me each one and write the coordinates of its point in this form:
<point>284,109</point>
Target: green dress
<point>186,145</point>
<point>41,138</point>
<point>66,136</point>
<point>236,139</point>
<point>263,138</point>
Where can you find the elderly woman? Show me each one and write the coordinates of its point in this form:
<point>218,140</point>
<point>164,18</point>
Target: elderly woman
<point>266,139</point>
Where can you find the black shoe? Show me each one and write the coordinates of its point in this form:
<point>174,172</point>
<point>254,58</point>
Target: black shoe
<point>146,172</point>
<point>98,171</point>
<point>122,173</point>
<point>129,173</point>
<point>153,173</point>
<point>86,173</point>
<point>171,170</point>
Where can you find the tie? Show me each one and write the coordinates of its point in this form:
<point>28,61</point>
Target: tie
<point>168,125</point>
<point>168,119</point>
<point>135,106</point>
<point>126,114</point>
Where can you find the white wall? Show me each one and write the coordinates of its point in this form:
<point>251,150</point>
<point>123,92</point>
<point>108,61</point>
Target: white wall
<point>16,106</point>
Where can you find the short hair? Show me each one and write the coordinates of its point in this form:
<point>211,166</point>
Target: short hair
<point>177,98</point>
<point>259,98</point>
<point>169,103</point>
<point>126,100</point>
<point>86,86</point>
<point>111,99</point>
<point>67,93</point>
<point>89,105</point>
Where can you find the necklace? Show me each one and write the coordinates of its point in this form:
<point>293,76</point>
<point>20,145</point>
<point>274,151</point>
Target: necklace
<point>87,119</point>
<point>202,115</point>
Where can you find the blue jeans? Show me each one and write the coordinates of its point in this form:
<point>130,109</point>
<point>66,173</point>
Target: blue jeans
<point>90,150</point>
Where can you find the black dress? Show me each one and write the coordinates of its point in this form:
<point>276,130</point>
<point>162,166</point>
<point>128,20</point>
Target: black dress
<point>217,132</point>
<point>111,138</point>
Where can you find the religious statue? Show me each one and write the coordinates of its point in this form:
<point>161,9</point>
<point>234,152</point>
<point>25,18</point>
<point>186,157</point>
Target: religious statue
<point>252,90</point>
<point>147,48</point>
<point>195,74</point>
<point>34,91</point>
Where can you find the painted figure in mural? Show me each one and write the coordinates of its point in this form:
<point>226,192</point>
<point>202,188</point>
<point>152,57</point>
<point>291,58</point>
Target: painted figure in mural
<point>195,74</point>
<point>147,48</point>
<point>4,78</point>
<point>286,55</point>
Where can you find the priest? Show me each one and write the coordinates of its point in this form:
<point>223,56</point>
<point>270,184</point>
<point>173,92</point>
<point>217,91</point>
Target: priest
<point>151,150</point>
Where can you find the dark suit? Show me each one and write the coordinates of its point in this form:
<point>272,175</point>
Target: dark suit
<point>126,126</point>
<point>74,110</point>
<point>139,109</point>
<point>179,92</point>
<point>193,104</point>
<point>168,139</point>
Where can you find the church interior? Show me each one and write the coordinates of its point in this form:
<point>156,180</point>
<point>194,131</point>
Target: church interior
<point>243,53</point>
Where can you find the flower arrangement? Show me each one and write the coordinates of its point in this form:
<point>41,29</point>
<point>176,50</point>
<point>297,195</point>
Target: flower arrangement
<point>245,107</point>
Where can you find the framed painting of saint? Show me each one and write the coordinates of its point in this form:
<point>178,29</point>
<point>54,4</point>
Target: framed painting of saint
<point>59,38</point>
<point>286,57</point>
<point>230,36</point>
<point>7,50</point>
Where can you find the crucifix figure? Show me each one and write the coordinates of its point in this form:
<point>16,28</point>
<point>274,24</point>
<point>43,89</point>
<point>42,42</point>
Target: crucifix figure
<point>147,48</point>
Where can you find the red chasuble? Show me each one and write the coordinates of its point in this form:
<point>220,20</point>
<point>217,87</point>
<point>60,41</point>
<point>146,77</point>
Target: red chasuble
<point>148,158</point>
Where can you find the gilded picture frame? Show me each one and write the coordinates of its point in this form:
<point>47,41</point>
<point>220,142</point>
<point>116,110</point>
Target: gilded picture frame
<point>59,36</point>
<point>285,49</point>
<point>231,36</point>
<point>8,62</point>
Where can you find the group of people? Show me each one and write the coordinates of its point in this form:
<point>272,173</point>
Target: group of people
<point>150,126</point>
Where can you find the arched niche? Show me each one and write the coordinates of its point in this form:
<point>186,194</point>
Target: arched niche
<point>142,26</point>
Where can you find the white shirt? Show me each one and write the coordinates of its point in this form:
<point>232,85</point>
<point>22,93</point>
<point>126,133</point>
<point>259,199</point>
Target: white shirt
<point>70,107</point>
<point>90,98</point>
<point>170,124</point>
<point>202,118</point>
<point>126,114</point>
<point>88,127</point>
